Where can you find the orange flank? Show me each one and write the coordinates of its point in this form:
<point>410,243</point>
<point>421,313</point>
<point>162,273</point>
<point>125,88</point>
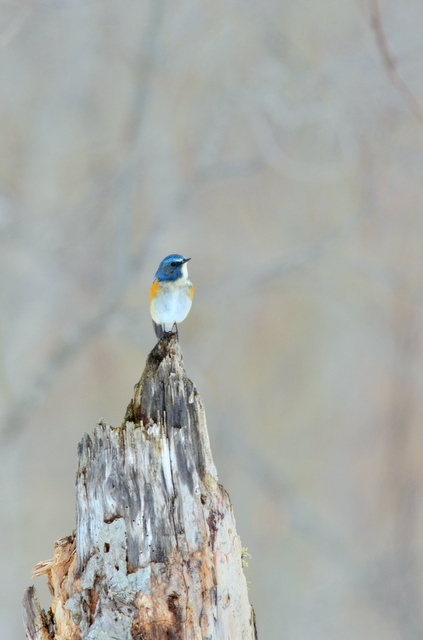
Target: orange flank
<point>191,292</point>
<point>154,289</point>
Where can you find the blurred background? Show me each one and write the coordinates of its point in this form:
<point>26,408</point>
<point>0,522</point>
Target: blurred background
<point>280,146</point>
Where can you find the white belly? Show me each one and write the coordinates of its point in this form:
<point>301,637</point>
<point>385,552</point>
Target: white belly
<point>172,304</point>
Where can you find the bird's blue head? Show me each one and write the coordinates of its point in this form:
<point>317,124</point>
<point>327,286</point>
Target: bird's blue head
<point>172,268</point>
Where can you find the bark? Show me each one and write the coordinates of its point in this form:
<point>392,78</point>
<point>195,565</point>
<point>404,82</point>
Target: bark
<point>156,554</point>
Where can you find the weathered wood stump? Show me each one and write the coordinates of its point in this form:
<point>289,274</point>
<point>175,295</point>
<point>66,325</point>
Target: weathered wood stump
<point>156,555</point>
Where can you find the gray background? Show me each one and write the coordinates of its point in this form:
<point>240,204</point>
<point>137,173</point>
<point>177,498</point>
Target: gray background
<point>279,144</point>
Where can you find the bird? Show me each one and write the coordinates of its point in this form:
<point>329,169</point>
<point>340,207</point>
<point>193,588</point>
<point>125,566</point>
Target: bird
<point>171,294</point>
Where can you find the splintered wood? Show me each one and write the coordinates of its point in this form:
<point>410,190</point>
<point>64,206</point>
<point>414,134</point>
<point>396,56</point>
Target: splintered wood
<point>156,555</point>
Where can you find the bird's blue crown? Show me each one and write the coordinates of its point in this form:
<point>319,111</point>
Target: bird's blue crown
<point>170,268</point>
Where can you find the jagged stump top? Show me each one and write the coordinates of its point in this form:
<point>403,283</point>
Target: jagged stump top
<point>156,465</point>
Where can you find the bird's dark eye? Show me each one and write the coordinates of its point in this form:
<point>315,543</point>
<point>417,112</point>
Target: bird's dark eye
<point>173,264</point>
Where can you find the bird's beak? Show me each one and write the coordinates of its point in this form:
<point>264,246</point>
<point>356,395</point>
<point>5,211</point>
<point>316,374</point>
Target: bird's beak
<point>186,260</point>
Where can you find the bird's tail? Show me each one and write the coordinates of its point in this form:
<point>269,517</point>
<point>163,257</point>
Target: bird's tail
<point>159,330</point>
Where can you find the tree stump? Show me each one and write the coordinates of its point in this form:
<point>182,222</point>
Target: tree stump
<point>156,555</point>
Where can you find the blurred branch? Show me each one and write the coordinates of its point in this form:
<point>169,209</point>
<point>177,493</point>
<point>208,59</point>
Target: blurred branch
<point>127,267</point>
<point>388,582</point>
<point>305,256</point>
<point>15,419</point>
<point>276,126</point>
<point>145,67</point>
<point>401,485</point>
<point>215,172</point>
<point>303,519</point>
<point>15,26</point>
<point>390,63</point>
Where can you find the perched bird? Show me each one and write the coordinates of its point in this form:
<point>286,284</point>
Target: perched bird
<point>171,294</point>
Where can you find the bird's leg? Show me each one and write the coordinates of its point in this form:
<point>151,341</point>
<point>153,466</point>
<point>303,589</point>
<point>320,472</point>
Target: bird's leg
<point>175,330</point>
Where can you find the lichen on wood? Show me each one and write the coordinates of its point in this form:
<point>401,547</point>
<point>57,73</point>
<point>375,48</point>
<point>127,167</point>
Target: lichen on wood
<point>156,554</point>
